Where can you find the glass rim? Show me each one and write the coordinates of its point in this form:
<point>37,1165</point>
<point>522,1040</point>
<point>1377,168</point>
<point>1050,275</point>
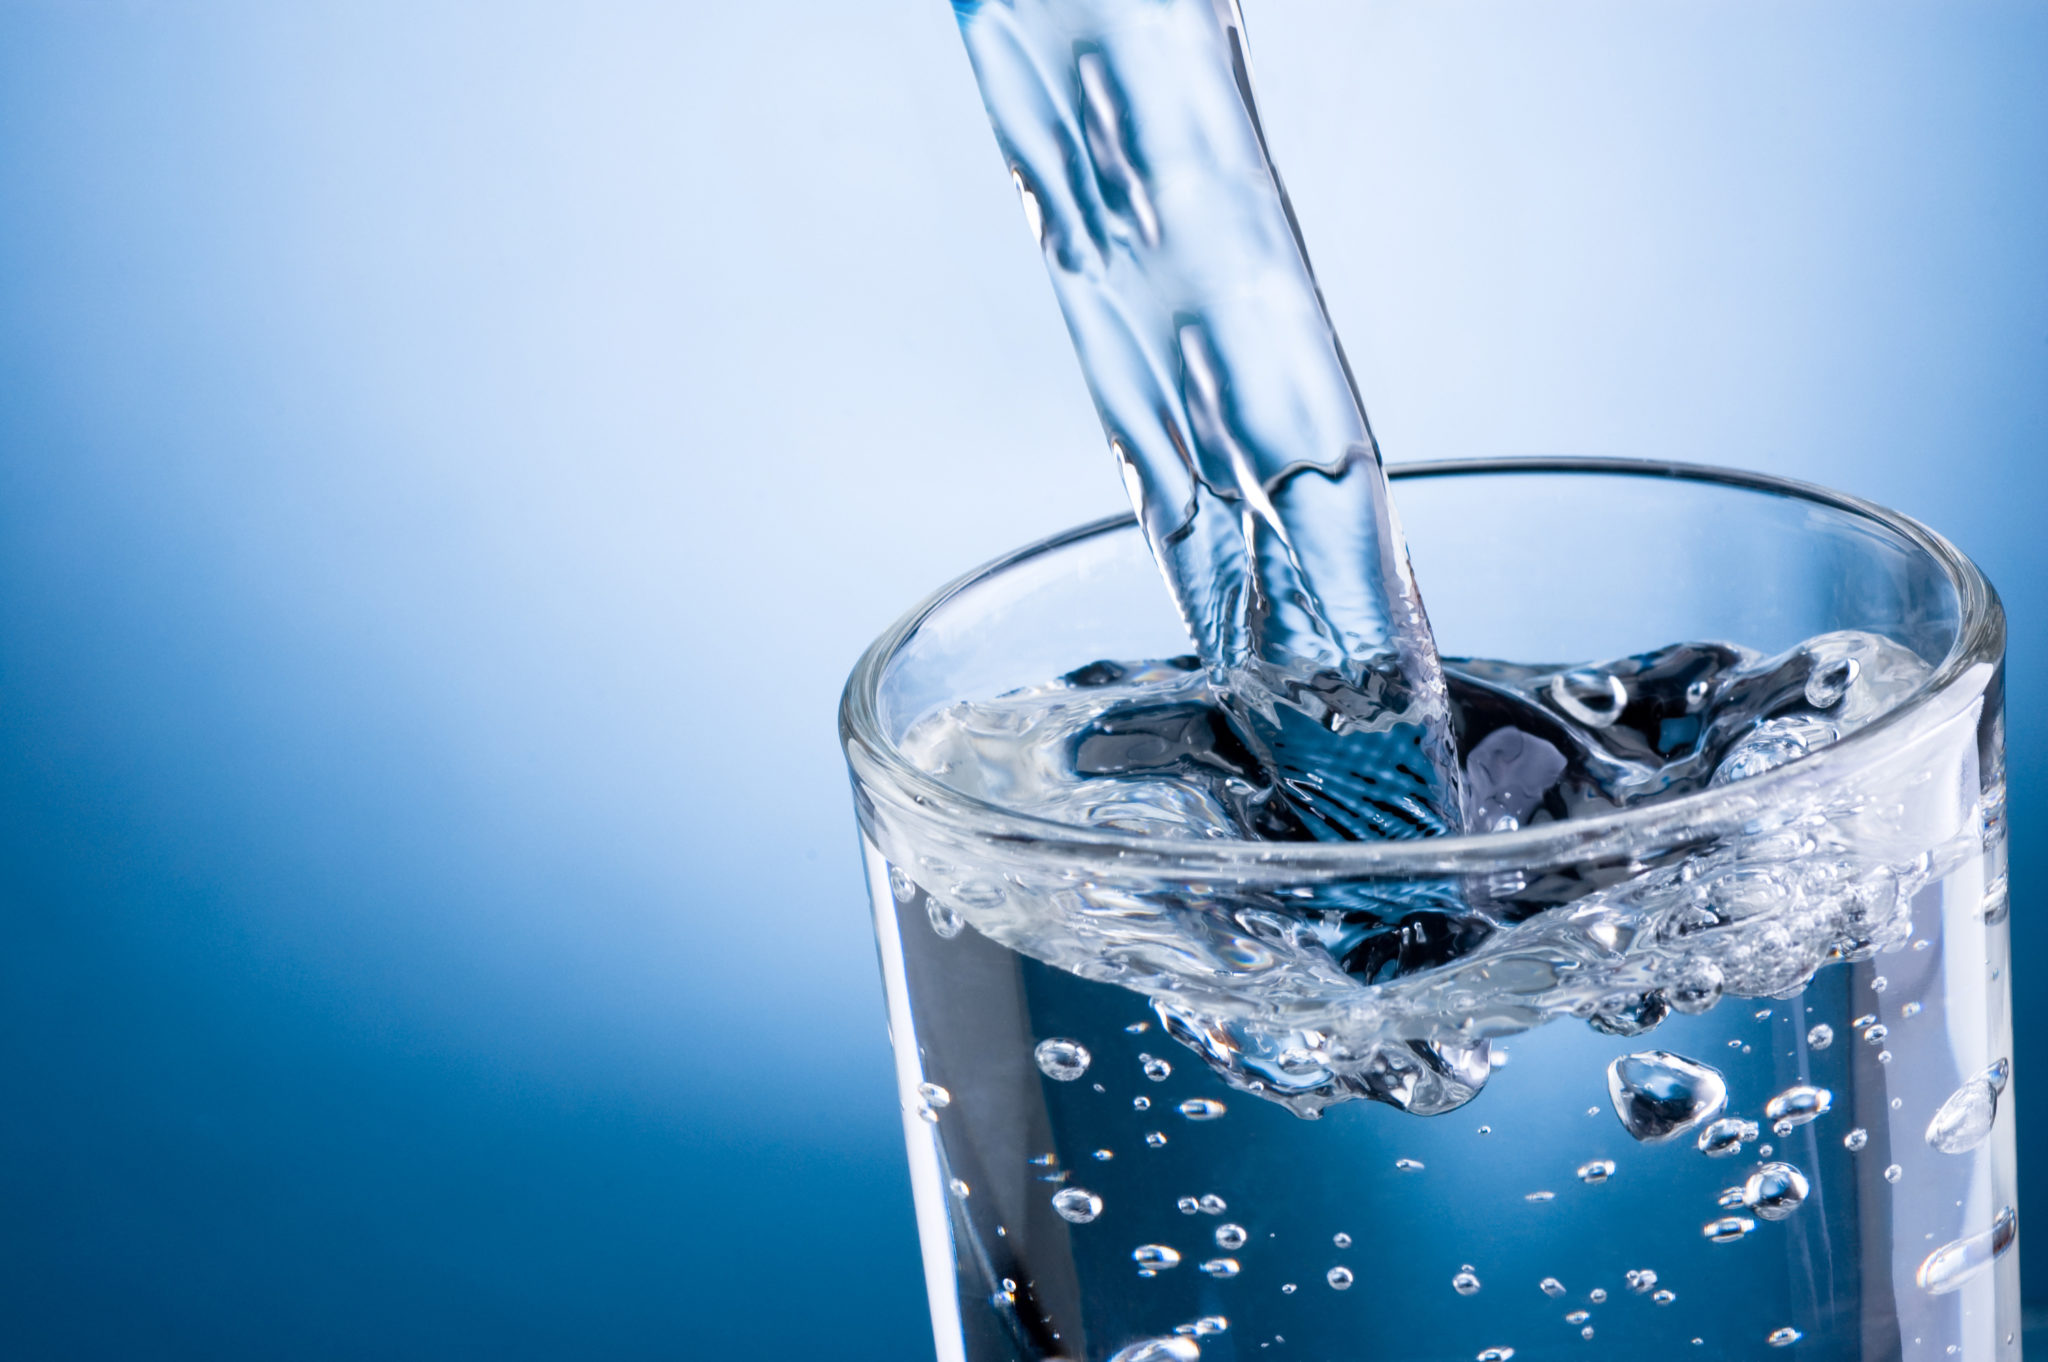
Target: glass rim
<point>1980,638</point>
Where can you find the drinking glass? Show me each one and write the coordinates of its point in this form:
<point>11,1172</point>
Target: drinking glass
<point>1108,1148</point>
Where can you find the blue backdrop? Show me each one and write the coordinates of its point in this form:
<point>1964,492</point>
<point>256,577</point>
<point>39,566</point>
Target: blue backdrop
<point>451,453</point>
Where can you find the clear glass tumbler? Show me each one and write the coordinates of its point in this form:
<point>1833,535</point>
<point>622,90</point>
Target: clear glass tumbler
<point>1107,1042</point>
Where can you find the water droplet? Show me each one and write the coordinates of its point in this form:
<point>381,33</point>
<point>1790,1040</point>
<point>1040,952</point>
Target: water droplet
<point>1875,1035</point>
<point>1830,681</point>
<point>1728,1229</point>
<point>1821,1036</point>
<point>1465,1284</point>
<point>1158,1070</point>
<point>958,1188</point>
<point>1578,1317</point>
<point>1339,1278</point>
<point>1785,1337</point>
<point>1221,1267</point>
<point>1540,1196</point>
<point>1188,1205</point>
<point>1659,1096</point>
<point>1212,1204</point>
<point>1159,1350</point>
<point>1966,1118</point>
<point>1879,984</point>
<point>1201,1109</point>
<point>1598,1295</point>
<point>1726,1136</point>
<point>1598,1170</point>
<point>1408,1165</point>
<point>1856,1139</point>
<point>1063,1060</point>
<point>1951,1265</point>
<point>1341,1239</point>
<point>1154,1258</point>
<point>1641,1281</point>
<point>1231,1237</point>
<point>1104,1155</point>
<point>1076,1205</point>
<point>1551,1286</point>
<point>1797,1105</point>
<point>1775,1190</point>
<point>1665,1297</point>
<point>1141,1104</point>
<point>1496,1354</point>
<point>1893,1173</point>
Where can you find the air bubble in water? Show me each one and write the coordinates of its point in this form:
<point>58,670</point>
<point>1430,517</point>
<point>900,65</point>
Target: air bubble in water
<point>1665,1297</point>
<point>1551,1286</point>
<point>1341,1239</point>
<point>1951,1265</point>
<point>931,1100</point>
<point>1465,1284</point>
<point>1339,1278</point>
<point>944,917</point>
<point>1408,1165</point>
<point>1064,1060</point>
<point>1540,1196</point>
<point>1893,1173</point>
<point>958,1188</point>
<point>1586,1332</point>
<point>1159,1350</point>
<point>1798,1104</point>
<point>1201,1109</point>
<point>1821,1036</point>
<point>1221,1267</point>
<point>1155,1139</point>
<point>1153,1259</point>
<point>1139,1028</point>
<point>1598,1170</point>
<point>1287,1289</point>
<point>1212,1204</point>
<point>1785,1337</point>
<point>1726,1136</point>
<point>1593,697</point>
<point>1188,1205</point>
<point>901,887</point>
<point>1496,1354</point>
<point>1141,1104</point>
<point>1728,1229</point>
<point>1879,984</point>
<point>1856,1139</point>
<point>1578,1317</point>
<point>1104,1155</point>
<point>1966,1118</point>
<point>1076,1205</point>
<point>1730,1198</point>
<point>1830,681</point>
<point>1908,1011</point>
<point>1659,1096</point>
<point>1775,1190</point>
<point>1874,1035</point>
<point>1158,1070</point>
<point>1598,1295</point>
<point>1642,1281</point>
<point>1231,1237</point>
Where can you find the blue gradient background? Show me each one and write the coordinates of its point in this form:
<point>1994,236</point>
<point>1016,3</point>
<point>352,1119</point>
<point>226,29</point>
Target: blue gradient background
<point>451,453</point>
